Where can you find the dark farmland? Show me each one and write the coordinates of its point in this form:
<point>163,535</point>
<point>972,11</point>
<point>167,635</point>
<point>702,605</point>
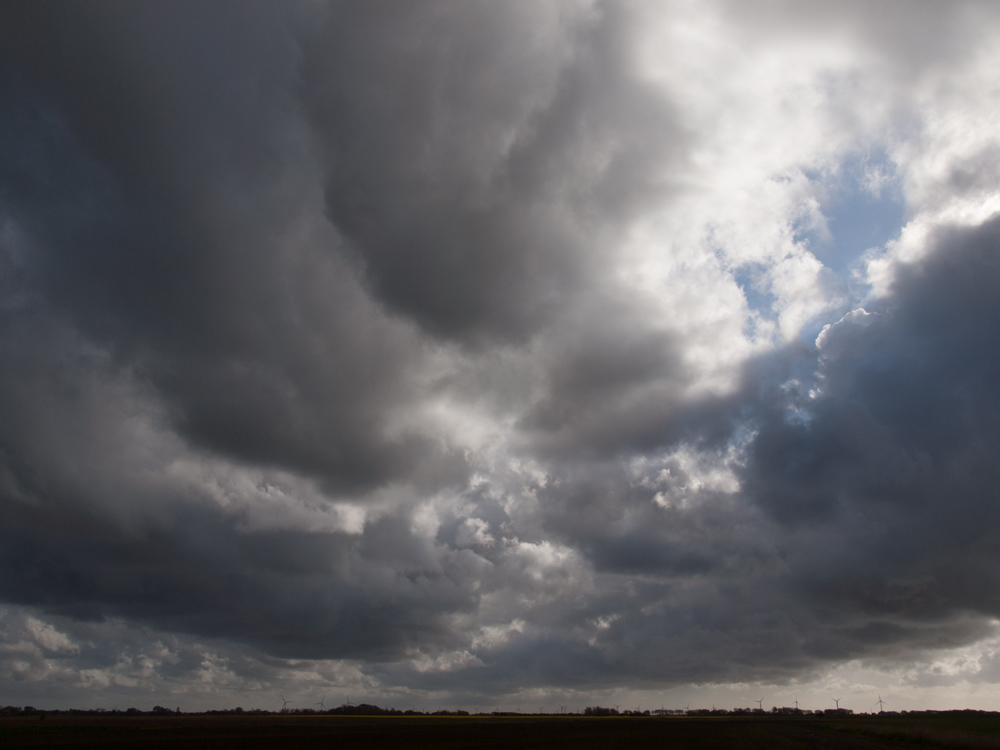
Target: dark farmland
<point>945,730</point>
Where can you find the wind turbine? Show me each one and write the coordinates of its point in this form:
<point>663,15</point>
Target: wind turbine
<point>284,703</point>
<point>879,703</point>
<point>562,708</point>
<point>796,703</point>
<point>348,700</point>
<point>321,703</point>
<point>760,703</point>
<point>837,701</point>
<point>616,707</point>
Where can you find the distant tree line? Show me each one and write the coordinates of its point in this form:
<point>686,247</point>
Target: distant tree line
<point>367,709</point>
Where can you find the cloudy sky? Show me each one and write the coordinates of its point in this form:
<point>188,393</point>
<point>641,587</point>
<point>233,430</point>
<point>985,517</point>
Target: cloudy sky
<point>453,354</point>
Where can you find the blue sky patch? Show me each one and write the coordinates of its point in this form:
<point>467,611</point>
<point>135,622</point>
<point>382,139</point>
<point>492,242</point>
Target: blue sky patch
<point>863,206</point>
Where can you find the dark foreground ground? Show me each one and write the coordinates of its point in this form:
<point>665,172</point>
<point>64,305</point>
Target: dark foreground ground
<point>448,733</point>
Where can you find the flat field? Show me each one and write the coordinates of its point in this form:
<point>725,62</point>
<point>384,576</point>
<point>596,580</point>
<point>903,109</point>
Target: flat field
<point>950,730</point>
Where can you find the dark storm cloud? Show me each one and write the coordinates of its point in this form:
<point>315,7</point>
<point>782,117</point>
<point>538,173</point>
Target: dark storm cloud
<point>479,157</point>
<point>165,262</point>
<point>161,265</point>
<point>107,531</point>
<point>293,594</point>
<point>865,524</point>
<point>164,222</point>
<point>898,453</point>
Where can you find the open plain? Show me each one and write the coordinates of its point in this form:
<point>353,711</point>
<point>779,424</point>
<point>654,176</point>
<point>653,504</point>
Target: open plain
<point>945,730</point>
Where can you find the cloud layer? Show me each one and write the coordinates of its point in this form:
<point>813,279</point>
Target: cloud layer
<point>466,350</point>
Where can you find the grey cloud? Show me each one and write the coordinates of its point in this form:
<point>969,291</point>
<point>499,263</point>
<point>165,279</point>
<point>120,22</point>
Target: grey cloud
<point>604,383</point>
<point>909,37</point>
<point>51,661</point>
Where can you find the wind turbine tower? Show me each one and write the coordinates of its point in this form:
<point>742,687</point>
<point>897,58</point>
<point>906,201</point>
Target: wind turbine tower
<point>837,701</point>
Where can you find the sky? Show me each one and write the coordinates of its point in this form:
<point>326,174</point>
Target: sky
<point>502,354</point>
